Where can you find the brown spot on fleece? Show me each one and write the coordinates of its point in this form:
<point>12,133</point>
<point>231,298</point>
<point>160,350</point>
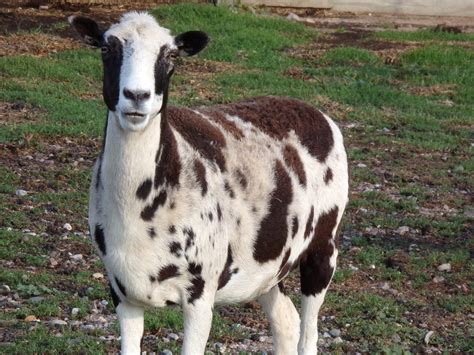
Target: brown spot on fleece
<point>207,139</point>
<point>277,116</point>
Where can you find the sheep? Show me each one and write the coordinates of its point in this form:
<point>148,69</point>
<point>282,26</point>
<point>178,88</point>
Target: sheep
<point>208,206</point>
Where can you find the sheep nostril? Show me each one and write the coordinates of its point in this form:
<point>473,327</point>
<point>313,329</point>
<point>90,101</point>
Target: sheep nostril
<point>136,95</point>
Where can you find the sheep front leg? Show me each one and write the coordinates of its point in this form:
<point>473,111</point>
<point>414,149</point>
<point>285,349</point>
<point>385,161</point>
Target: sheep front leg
<point>197,325</point>
<point>131,327</point>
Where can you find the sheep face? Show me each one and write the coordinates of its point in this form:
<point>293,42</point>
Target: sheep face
<point>138,58</point>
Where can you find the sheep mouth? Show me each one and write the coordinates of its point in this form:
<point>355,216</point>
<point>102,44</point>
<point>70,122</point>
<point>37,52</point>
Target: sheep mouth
<point>134,115</point>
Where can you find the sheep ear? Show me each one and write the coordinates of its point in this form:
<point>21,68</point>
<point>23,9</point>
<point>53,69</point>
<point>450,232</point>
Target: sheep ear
<point>191,43</point>
<point>88,29</point>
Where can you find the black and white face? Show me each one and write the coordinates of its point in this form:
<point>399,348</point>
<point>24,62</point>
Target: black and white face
<point>138,57</point>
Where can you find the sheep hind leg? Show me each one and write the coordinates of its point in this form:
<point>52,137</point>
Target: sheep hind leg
<point>197,324</point>
<point>316,272</point>
<point>131,327</point>
<point>284,320</point>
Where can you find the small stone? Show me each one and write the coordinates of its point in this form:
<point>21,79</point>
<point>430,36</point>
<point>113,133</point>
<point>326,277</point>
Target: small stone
<point>31,234</point>
<point>21,192</point>
<point>372,266</point>
<point>219,347</point>
<point>428,337</point>
<point>88,327</point>
<point>53,262</point>
<point>353,268</point>
<point>262,338</point>
<point>469,213</point>
<point>30,318</point>
<point>76,257</point>
<point>396,338</point>
<point>75,323</point>
<point>445,267</point>
<point>361,165</point>
<point>403,230</point>
<point>101,319</point>
<point>75,312</point>
<point>57,323</point>
<point>326,335</point>
<point>385,286</point>
<point>36,299</point>
<point>337,340</point>
<point>98,275</point>
<point>438,279</point>
<point>67,226</point>
<point>335,332</point>
<point>293,17</point>
<point>166,352</point>
<point>4,290</point>
<point>173,336</point>
<point>58,335</point>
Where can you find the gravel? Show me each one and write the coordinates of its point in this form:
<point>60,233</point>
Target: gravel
<point>76,257</point>
<point>219,347</point>
<point>75,312</point>
<point>403,230</point>
<point>445,267</point>
<point>173,336</point>
<point>21,192</point>
<point>36,299</point>
<point>335,332</point>
<point>57,323</point>
<point>4,290</point>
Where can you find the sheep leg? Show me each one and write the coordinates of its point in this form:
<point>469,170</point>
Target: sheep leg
<point>284,321</point>
<point>316,273</point>
<point>131,327</point>
<point>197,325</point>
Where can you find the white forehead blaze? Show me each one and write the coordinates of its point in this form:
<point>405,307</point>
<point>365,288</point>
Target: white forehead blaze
<point>141,38</point>
<point>140,26</point>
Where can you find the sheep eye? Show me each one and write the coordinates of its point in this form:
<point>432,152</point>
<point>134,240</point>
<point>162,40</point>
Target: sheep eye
<point>173,55</point>
<point>104,49</point>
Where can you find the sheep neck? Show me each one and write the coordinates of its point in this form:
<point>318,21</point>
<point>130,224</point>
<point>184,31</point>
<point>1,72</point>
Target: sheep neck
<point>129,157</point>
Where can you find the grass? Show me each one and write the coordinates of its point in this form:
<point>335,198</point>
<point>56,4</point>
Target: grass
<point>408,121</point>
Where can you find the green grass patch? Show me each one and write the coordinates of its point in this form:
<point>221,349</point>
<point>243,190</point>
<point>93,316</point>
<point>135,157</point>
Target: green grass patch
<point>350,56</point>
<point>237,36</point>
<point>41,339</point>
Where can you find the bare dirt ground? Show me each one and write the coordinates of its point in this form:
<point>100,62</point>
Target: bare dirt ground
<point>330,20</point>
